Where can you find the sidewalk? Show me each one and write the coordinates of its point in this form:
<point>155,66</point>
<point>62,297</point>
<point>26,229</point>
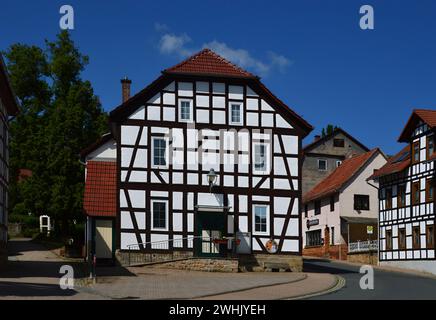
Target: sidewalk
<point>314,284</point>
<point>155,283</point>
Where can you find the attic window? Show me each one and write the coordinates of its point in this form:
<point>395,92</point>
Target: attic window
<point>339,143</point>
<point>322,164</point>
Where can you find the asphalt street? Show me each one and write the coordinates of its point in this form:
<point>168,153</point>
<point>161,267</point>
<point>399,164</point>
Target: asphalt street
<point>388,285</point>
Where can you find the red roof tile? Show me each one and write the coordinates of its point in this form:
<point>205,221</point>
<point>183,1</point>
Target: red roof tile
<point>397,163</point>
<point>207,62</point>
<point>338,178</point>
<point>427,116</point>
<point>101,189</point>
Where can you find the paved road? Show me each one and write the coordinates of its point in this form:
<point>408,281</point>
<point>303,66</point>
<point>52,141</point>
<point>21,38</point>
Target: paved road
<point>387,284</point>
<point>33,273</point>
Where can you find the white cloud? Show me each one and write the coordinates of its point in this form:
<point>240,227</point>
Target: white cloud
<point>161,27</point>
<point>279,61</point>
<point>239,57</point>
<point>173,44</point>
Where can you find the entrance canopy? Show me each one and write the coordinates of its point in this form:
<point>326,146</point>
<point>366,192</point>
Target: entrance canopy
<point>206,208</point>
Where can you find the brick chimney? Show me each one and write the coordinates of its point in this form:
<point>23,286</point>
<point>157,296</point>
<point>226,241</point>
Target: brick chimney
<point>316,138</point>
<point>125,88</point>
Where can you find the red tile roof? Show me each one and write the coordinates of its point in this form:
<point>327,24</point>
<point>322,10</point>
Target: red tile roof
<point>397,163</point>
<point>100,189</point>
<point>338,178</point>
<point>207,62</point>
<point>427,116</point>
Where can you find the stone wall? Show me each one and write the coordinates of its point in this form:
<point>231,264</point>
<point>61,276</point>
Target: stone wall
<point>203,264</point>
<point>364,257</point>
<point>14,229</point>
<point>134,258</point>
<point>264,262</point>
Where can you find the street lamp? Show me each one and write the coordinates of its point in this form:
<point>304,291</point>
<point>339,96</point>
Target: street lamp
<point>211,178</point>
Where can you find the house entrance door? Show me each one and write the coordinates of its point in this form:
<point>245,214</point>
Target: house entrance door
<point>209,227</point>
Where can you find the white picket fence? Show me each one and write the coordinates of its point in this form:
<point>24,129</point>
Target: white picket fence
<point>362,246</point>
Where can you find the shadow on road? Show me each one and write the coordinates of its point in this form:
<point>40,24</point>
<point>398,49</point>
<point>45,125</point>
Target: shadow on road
<point>23,289</point>
<point>325,266</point>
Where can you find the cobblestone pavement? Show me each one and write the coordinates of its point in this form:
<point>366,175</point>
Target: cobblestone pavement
<point>311,285</point>
<point>33,273</point>
<point>155,283</point>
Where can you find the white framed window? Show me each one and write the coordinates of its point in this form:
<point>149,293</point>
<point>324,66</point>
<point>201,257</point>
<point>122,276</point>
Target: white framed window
<point>159,215</point>
<point>185,110</point>
<point>322,164</point>
<point>260,157</point>
<point>159,152</point>
<point>338,163</point>
<point>235,113</point>
<point>260,219</point>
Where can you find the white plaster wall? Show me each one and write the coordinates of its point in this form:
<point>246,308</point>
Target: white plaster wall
<point>359,185</point>
<point>104,152</point>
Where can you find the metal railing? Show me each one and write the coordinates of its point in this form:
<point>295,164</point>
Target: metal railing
<point>362,246</point>
<point>139,253</point>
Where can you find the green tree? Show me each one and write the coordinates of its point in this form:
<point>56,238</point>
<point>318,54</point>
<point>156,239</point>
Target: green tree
<point>328,130</point>
<point>61,115</point>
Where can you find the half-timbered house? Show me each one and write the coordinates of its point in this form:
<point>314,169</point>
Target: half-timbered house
<point>8,107</point>
<point>406,195</point>
<point>208,164</point>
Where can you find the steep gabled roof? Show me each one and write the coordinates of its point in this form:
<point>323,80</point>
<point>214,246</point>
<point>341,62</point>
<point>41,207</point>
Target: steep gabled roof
<point>338,178</point>
<point>397,163</point>
<point>207,62</point>
<point>316,143</point>
<point>101,141</point>
<point>6,93</point>
<point>427,116</point>
<point>100,189</point>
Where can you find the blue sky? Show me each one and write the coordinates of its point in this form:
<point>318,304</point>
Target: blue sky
<point>311,54</point>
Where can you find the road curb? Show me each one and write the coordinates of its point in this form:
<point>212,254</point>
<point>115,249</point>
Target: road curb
<point>417,273</point>
<point>339,284</point>
<point>255,287</point>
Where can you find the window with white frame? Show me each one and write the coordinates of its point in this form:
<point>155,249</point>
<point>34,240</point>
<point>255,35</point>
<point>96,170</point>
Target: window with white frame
<point>261,218</point>
<point>235,113</point>
<point>159,215</point>
<point>185,110</point>
<point>160,152</point>
<point>260,157</point>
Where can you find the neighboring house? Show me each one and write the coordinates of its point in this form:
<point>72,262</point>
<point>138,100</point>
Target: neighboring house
<point>324,155</point>
<point>8,107</point>
<point>207,153</point>
<point>100,198</point>
<point>407,218</point>
<point>338,210</point>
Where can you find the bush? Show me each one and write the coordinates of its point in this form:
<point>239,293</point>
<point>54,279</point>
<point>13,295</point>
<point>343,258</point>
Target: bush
<point>26,220</point>
<point>30,232</point>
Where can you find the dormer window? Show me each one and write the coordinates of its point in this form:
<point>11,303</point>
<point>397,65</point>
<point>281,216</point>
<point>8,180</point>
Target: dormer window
<point>415,152</point>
